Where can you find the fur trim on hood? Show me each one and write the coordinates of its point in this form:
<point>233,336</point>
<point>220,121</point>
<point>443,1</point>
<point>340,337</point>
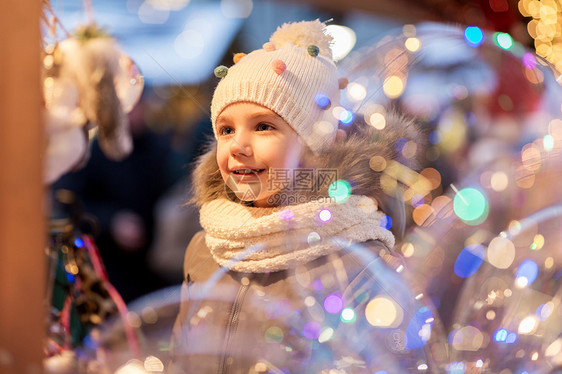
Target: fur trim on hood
<point>354,160</point>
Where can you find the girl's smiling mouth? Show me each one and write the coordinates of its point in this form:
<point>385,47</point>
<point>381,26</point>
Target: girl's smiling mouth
<point>247,171</point>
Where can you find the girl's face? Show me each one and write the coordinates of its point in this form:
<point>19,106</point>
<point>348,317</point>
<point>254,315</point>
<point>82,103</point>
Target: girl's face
<point>256,151</point>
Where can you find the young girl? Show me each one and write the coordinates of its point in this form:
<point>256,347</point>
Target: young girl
<point>274,283</point>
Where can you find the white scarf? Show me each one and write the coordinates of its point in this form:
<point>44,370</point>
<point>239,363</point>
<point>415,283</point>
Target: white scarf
<point>256,240</point>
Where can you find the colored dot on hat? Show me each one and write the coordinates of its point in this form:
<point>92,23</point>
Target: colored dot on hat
<point>269,47</point>
<point>322,100</point>
<point>313,50</point>
<point>237,57</point>
<point>221,71</point>
<point>278,66</point>
<point>342,83</point>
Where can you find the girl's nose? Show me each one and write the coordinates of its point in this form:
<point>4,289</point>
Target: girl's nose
<point>241,145</point>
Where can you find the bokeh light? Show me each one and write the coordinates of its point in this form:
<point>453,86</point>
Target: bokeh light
<point>286,214</point>
<point>377,120</point>
<point>412,44</point>
<point>527,273</point>
<point>511,338</point>
<point>333,303</point>
<point>538,242</point>
<point>340,191</point>
<point>274,334</point>
<point>383,312</point>
<point>499,181</point>
<point>501,252</point>
<point>544,311</point>
<point>348,315</point>
<point>325,215</point>
<point>386,222</point>
<point>417,200</point>
<point>343,42</point>
<point>393,87</point>
<point>470,205</point>
<point>504,40</point>
<point>469,260</point>
<point>422,213</point>
<point>356,91</point>
<point>554,348</point>
<point>529,60</point>
<point>467,338</point>
<point>346,117</point>
<point>153,364</point>
<point>312,330</point>
<point>407,249</point>
<point>528,325</point>
<point>500,335</point>
<point>326,334</point>
<point>473,36</point>
<point>548,142</point>
<point>419,328</point>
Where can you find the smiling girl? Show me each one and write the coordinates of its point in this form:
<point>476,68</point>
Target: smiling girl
<point>278,230</point>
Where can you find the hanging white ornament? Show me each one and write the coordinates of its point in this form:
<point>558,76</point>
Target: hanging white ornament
<point>129,83</point>
<point>92,60</point>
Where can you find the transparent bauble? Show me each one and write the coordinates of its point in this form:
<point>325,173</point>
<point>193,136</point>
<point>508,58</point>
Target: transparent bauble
<point>507,318</point>
<point>351,311</point>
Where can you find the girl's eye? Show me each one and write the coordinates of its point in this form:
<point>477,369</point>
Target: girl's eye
<point>264,127</point>
<point>226,131</point>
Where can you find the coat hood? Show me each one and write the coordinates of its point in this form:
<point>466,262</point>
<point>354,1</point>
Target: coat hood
<point>374,162</point>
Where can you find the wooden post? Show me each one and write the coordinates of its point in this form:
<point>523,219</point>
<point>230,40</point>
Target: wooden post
<point>22,214</point>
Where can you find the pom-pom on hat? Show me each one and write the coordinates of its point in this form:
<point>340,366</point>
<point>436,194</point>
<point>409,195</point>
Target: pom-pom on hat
<point>288,76</point>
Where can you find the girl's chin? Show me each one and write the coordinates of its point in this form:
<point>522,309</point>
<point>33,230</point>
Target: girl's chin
<point>259,199</point>
<point>264,202</point>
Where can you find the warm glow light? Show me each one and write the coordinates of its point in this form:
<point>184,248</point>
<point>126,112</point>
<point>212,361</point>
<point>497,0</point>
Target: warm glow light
<point>499,181</point>
<point>468,338</point>
<point>377,120</point>
<point>527,325</point>
<point>393,87</point>
<point>344,40</point>
<point>383,312</point>
<point>356,91</point>
<point>501,252</point>
<point>422,213</point>
<point>153,364</point>
<point>412,44</point>
<point>408,249</point>
<point>544,28</point>
<point>326,335</point>
<point>554,348</point>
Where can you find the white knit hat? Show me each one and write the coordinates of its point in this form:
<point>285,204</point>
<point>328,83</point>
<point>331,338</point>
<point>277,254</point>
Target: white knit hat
<point>293,75</point>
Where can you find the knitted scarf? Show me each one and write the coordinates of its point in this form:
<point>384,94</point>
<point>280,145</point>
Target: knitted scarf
<point>256,240</point>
